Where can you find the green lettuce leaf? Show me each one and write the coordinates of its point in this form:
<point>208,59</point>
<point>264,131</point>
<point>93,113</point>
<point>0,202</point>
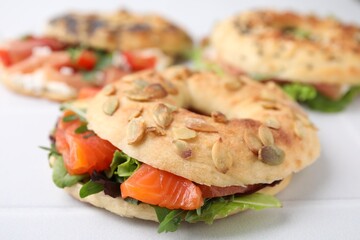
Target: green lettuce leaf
<point>299,91</point>
<point>213,208</point>
<point>122,166</point>
<point>310,97</point>
<point>61,177</point>
<point>90,188</point>
<point>324,104</point>
<point>222,207</point>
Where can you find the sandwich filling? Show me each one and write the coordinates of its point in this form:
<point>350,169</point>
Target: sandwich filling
<point>42,64</point>
<point>78,155</point>
<point>320,96</point>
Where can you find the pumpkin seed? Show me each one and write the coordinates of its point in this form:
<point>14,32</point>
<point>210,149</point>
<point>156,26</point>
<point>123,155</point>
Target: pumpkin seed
<point>221,159</point>
<point>155,91</point>
<point>272,123</point>
<point>156,130</point>
<point>152,91</point>
<point>162,115</point>
<point>135,130</point>
<point>265,135</point>
<point>183,149</point>
<point>109,90</point>
<point>252,142</point>
<point>271,155</point>
<point>267,96</point>
<point>232,84</point>
<point>183,133</point>
<point>172,108</point>
<point>136,113</point>
<point>219,117</point>
<point>170,88</point>
<point>140,84</point>
<point>199,125</point>
<point>299,129</point>
<point>110,105</point>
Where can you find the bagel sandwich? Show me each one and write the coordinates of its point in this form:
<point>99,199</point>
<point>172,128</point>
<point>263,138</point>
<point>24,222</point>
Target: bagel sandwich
<point>315,60</point>
<point>177,145</point>
<point>81,52</point>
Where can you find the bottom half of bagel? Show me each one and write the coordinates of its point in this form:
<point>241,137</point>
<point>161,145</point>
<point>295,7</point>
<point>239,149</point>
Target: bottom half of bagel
<point>36,84</point>
<point>144,211</point>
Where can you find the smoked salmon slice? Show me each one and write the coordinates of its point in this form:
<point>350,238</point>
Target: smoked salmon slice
<point>161,188</point>
<point>82,151</point>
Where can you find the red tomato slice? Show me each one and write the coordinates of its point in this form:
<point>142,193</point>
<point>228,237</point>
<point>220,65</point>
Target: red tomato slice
<point>138,62</point>
<point>86,60</point>
<point>82,152</point>
<point>5,57</point>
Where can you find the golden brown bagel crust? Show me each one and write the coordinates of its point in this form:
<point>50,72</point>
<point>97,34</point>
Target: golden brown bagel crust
<point>143,211</point>
<point>220,152</point>
<point>121,30</point>
<point>288,46</point>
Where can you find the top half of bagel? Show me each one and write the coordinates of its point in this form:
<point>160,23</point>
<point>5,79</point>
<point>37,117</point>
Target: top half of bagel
<point>289,46</point>
<point>120,30</point>
<point>213,130</point>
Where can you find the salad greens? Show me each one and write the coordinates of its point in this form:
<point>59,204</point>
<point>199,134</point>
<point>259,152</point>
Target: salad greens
<point>60,176</point>
<point>299,91</point>
<point>212,209</point>
<point>308,95</point>
<point>90,188</point>
<point>103,60</point>
<point>122,166</point>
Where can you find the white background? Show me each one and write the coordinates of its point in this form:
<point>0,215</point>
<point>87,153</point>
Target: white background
<point>322,202</point>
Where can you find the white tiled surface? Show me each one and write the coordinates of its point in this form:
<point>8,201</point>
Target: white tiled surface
<point>322,202</point>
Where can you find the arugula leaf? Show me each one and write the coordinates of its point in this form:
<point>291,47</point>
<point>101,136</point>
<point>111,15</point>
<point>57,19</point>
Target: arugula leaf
<point>213,208</point>
<point>299,91</point>
<point>80,112</point>
<point>61,177</point>
<point>324,104</point>
<point>169,219</point>
<point>81,129</point>
<point>222,207</point>
<point>110,186</point>
<point>90,188</point>
<point>122,165</point>
<point>52,150</point>
<point>69,118</point>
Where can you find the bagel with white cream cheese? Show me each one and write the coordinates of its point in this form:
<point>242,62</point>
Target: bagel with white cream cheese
<point>81,52</point>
